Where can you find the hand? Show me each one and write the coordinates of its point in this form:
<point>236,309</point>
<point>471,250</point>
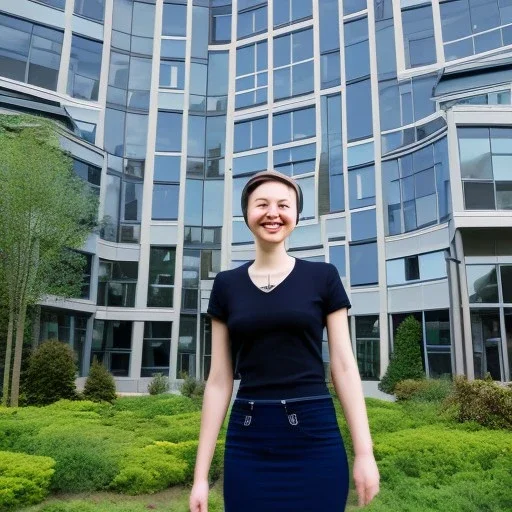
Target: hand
<point>198,501</point>
<point>366,478</point>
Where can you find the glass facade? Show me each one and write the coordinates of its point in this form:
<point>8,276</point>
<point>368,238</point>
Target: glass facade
<point>397,154</point>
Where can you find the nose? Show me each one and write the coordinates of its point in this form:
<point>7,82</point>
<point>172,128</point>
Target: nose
<point>272,210</point>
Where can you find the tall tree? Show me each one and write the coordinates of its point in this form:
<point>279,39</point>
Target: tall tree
<point>45,209</point>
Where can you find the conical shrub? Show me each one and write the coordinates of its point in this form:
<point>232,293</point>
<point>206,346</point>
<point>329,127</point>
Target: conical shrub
<point>99,385</point>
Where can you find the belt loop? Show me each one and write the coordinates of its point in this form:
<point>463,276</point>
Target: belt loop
<point>292,417</point>
<point>248,417</point>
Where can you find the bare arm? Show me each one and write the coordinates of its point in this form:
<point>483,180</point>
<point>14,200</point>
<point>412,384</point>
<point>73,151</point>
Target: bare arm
<point>217,395</point>
<point>347,382</point>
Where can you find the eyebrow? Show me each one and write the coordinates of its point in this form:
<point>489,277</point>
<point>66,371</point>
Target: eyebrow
<point>265,199</point>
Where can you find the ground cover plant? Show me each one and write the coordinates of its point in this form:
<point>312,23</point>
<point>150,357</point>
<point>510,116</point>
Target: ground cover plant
<point>138,454</point>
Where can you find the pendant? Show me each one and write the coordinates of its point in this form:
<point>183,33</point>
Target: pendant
<point>267,287</point>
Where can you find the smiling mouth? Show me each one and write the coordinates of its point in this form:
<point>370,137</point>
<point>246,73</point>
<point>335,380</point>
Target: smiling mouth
<point>272,225</point>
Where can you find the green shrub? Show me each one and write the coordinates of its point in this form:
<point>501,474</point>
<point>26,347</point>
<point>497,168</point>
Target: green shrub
<point>51,374</point>
<point>99,385</point>
<point>158,385</point>
<point>24,479</point>
<point>191,387</point>
<point>150,469</point>
<point>406,362</point>
<point>84,463</point>
<point>484,401</point>
<point>424,390</point>
<point>157,405</point>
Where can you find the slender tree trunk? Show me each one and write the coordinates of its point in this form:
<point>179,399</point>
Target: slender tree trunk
<point>8,357</point>
<point>36,326</point>
<point>18,351</point>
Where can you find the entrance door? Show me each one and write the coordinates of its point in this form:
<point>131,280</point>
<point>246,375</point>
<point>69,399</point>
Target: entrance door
<point>486,335</point>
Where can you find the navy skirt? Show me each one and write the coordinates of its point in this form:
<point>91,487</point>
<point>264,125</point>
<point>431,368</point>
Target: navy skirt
<point>284,455</point>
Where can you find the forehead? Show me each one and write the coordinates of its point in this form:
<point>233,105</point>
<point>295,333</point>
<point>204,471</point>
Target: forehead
<point>272,189</point>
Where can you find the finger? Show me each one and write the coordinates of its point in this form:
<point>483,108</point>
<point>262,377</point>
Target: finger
<point>370,493</point>
<point>360,489</point>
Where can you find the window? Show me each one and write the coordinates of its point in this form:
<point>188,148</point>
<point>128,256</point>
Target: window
<point>220,24</point>
<point>30,52</point>
<point>331,159</point>
<point>156,349</point>
<point>293,64</point>
<point>252,21</point>
<point>57,4</point>
<point>463,22</point>
<point>251,134</point>
<point>352,6</point>
<point>84,68</point>
<point>485,160</point>
<point>290,11</point>
<point>168,131</point>
<point>364,225</point>
<point>92,9</point>
<point>422,267</point>
<point>172,74</point>
<point>359,110</point>
<point>112,345</point>
<point>295,161</point>
<point>174,21</point>
<point>187,346</point>
<point>363,264</point>
<point>117,282</point>
<point>294,125</point>
<point>87,131</point>
<point>165,201</point>
<point>251,75</point>
<point>330,69</point>
<point>368,346</point>
<point>418,192</point>
<point>337,258</point>
<point>419,41</point>
<point>250,164</point>
<point>357,56</point>
<point>162,262</point>
<point>68,328</point>
<point>438,342</point>
<point>89,173</point>
<point>173,48</point>
<point>361,181</point>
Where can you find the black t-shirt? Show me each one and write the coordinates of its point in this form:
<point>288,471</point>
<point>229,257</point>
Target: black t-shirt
<point>276,336</point>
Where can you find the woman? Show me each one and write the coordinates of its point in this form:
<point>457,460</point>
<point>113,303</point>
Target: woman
<point>284,451</point>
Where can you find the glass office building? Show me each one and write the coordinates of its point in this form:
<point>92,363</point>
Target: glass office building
<point>394,116</point>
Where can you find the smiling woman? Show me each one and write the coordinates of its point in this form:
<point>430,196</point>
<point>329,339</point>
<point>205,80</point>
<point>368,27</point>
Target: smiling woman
<point>284,450</point>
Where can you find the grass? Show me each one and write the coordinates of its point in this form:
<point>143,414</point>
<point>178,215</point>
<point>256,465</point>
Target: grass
<point>428,461</point>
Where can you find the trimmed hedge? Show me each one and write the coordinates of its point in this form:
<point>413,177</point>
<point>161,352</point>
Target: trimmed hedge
<point>24,479</point>
<point>99,385</point>
<point>424,390</point>
<point>484,401</point>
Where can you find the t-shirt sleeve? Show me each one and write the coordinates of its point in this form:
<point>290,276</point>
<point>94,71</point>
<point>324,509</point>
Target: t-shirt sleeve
<point>217,307</point>
<point>335,295</point>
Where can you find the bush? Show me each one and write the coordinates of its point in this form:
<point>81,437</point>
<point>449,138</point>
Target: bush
<point>483,401</point>
<point>191,387</point>
<point>24,479</point>
<point>424,390</point>
<point>51,374</point>
<point>406,360</point>
<point>158,385</point>
<point>100,385</point>
<point>158,405</point>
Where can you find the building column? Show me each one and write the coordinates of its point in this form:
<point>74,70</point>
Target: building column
<point>137,346</point>
<point>466,319</point>
<point>455,312</point>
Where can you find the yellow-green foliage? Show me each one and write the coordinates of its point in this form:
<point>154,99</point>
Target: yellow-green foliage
<point>160,465</point>
<point>24,479</point>
<point>426,390</point>
<point>99,445</point>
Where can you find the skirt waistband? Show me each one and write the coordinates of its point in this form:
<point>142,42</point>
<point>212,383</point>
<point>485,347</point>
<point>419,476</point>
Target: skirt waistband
<point>283,401</point>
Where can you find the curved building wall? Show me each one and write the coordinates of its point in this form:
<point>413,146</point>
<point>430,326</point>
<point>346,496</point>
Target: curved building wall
<point>392,115</point>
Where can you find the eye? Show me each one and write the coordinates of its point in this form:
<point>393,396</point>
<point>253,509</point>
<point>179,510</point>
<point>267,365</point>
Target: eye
<point>284,206</point>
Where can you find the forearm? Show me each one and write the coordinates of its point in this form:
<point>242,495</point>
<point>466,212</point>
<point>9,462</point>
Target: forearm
<point>215,404</point>
<point>349,389</point>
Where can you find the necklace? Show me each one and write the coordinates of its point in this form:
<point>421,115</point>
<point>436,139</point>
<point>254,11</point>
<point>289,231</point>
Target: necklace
<point>267,287</point>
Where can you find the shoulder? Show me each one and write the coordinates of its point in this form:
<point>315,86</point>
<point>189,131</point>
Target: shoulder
<point>318,269</point>
<point>231,275</point>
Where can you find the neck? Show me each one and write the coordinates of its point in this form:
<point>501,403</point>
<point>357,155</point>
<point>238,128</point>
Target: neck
<point>269,258</point>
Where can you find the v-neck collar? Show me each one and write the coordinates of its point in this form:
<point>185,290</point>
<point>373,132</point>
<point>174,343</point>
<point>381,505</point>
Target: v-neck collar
<point>288,276</point>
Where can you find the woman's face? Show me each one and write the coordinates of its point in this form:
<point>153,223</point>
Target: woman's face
<point>272,211</point>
